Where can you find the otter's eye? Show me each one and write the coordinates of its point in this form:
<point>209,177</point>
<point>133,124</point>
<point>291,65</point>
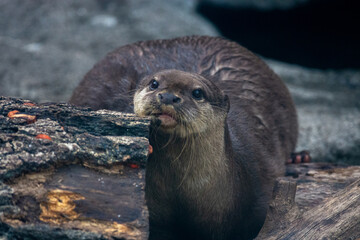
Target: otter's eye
<point>198,94</point>
<point>153,84</point>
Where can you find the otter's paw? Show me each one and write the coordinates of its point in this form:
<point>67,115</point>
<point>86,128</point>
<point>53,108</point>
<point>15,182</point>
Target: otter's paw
<point>299,157</point>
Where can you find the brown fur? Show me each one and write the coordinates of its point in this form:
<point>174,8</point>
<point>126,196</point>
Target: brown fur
<point>215,184</point>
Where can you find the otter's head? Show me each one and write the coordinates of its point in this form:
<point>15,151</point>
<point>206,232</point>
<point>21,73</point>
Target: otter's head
<point>181,103</point>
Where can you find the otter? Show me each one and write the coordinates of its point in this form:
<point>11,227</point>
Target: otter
<point>223,125</point>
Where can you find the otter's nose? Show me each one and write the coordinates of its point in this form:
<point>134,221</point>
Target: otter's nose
<point>168,98</point>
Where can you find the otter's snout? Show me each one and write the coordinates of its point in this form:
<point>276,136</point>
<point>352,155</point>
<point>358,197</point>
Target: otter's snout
<point>168,98</point>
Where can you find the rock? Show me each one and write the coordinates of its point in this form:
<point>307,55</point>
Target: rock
<point>47,47</point>
<point>258,4</point>
<point>307,34</point>
<point>328,107</point>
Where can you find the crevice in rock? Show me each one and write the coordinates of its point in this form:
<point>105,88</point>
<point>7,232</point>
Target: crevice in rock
<point>318,34</point>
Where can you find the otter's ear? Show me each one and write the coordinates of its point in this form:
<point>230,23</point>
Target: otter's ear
<point>226,103</point>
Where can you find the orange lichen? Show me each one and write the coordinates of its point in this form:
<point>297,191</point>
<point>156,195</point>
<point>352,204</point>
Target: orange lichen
<point>111,229</point>
<point>16,114</point>
<point>117,228</point>
<point>12,114</point>
<point>133,165</point>
<point>150,149</point>
<point>59,206</point>
<point>29,104</point>
<point>43,136</point>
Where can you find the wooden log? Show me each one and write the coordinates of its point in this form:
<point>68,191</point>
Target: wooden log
<point>71,173</point>
<point>59,134</point>
<point>337,217</point>
<point>84,179</point>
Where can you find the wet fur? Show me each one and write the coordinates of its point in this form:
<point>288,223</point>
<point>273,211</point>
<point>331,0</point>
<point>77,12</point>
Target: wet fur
<point>214,184</point>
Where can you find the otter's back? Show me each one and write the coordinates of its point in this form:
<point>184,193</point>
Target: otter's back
<point>260,104</point>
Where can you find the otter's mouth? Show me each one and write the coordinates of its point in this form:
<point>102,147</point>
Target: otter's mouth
<point>167,119</point>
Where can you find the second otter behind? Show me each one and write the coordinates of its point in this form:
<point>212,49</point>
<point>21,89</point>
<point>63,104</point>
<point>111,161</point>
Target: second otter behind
<point>223,125</point>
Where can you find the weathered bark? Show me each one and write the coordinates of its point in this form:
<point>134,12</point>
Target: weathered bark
<point>319,181</point>
<point>337,217</point>
<point>71,173</point>
<point>77,135</point>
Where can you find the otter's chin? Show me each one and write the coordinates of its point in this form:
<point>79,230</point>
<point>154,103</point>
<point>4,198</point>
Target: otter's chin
<point>167,121</point>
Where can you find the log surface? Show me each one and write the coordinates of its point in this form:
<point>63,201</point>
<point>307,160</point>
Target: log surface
<point>325,206</point>
<point>71,173</point>
<point>83,178</point>
<point>77,135</point>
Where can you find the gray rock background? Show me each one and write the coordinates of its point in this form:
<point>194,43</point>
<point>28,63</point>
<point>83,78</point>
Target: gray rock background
<point>259,4</point>
<point>328,105</point>
<point>47,46</point>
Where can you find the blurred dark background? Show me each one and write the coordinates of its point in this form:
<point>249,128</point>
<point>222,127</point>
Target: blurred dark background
<point>319,33</point>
